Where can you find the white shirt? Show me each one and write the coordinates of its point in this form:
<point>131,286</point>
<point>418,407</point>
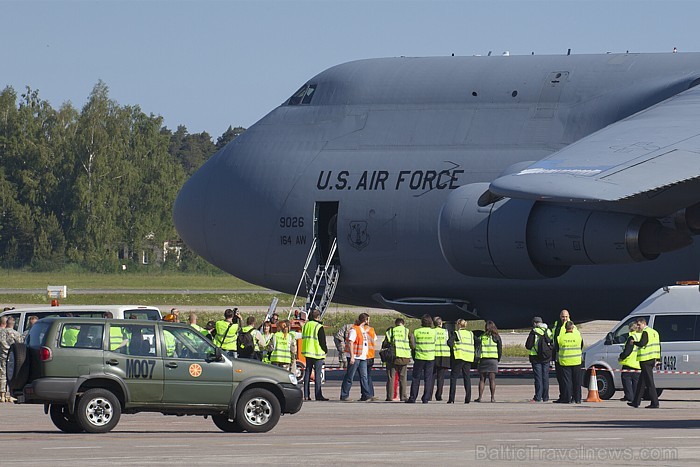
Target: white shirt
<point>352,335</point>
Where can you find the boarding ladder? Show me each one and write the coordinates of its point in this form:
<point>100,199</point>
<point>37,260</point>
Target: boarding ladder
<point>321,288</point>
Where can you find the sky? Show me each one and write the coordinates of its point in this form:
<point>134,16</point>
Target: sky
<point>209,65</point>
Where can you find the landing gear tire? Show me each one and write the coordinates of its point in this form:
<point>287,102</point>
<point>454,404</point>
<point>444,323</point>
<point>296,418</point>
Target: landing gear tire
<point>258,410</point>
<point>98,410</point>
<point>63,420</point>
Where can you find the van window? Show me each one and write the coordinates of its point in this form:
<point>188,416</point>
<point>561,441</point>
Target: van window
<point>141,313</point>
<point>622,333</point>
<point>675,328</point>
<point>82,336</point>
<point>16,318</point>
<point>37,335</point>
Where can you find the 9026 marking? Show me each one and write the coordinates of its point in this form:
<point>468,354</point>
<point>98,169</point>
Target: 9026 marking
<point>140,368</point>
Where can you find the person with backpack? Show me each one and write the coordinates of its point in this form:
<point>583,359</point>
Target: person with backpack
<point>397,337</point>
<point>541,346</point>
<point>250,342</point>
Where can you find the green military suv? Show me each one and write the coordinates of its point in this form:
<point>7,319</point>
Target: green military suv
<point>88,371</point>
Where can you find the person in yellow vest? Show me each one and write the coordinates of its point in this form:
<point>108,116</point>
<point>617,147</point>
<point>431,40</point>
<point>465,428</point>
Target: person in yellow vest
<point>462,344</point>
<point>227,332</point>
<point>397,337</point>
<point>649,352</point>
<point>442,356</point>
<point>197,327</point>
<point>283,347</point>
<point>539,363</point>
<point>570,359</point>
<point>629,363</point>
<point>69,336</point>
<point>557,330</point>
<point>117,339</point>
<point>314,349</point>
<point>422,343</point>
<point>357,348</point>
<point>491,351</point>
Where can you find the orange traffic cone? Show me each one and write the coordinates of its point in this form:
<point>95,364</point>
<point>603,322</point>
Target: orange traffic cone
<point>593,388</point>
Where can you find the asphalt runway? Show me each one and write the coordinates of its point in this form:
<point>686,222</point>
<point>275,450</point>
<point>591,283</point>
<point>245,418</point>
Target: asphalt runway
<point>511,431</point>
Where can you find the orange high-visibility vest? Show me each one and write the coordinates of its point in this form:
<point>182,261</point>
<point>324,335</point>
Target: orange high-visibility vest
<point>358,344</point>
<point>370,342</point>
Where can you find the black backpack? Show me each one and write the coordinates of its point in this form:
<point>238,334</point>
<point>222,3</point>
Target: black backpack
<point>245,344</point>
<point>545,347</point>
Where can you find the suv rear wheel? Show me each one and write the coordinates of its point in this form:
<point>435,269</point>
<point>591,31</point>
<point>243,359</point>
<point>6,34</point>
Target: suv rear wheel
<point>98,410</point>
<point>258,410</point>
<point>64,421</point>
<point>224,424</point>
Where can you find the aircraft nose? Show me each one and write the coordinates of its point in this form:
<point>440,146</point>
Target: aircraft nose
<point>189,212</point>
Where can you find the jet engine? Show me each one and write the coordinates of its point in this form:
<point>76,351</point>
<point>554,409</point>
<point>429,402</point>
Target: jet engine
<point>525,239</point>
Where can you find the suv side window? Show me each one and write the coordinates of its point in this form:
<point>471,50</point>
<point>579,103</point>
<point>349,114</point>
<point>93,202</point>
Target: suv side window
<point>186,343</point>
<point>675,328</point>
<point>82,335</point>
<point>132,339</point>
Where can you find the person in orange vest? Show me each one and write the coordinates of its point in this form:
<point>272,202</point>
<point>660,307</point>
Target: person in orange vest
<point>357,349</point>
<point>371,341</point>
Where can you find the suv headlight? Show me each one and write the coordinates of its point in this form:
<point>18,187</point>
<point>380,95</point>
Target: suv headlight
<point>293,379</point>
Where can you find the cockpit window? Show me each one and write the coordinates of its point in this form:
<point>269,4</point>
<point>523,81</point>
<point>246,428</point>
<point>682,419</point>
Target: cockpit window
<point>303,96</point>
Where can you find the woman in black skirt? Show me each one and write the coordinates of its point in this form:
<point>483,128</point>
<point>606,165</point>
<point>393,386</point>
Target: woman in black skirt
<point>491,350</point>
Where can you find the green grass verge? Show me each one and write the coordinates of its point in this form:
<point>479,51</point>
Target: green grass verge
<point>243,299</point>
<point>13,279</point>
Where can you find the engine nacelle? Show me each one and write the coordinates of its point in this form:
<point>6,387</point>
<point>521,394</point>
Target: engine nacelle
<point>523,239</point>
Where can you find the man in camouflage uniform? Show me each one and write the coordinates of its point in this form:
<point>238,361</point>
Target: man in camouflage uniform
<point>8,336</point>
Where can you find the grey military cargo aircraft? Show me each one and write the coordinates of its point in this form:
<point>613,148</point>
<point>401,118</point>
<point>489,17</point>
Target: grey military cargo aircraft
<point>470,187</point>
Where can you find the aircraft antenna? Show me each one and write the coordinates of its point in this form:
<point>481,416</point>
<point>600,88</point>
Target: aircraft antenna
<point>569,52</point>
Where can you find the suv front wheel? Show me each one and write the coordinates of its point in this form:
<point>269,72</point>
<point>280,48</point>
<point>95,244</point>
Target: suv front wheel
<point>258,410</point>
<point>223,423</point>
<point>98,410</point>
<point>63,420</point>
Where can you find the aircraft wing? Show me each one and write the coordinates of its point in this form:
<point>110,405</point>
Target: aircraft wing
<point>648,164</point>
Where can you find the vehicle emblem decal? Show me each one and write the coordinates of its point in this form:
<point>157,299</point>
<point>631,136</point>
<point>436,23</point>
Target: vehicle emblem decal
<point>195,370</point>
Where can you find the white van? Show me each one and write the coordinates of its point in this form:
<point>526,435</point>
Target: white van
<point>674,312</point>
<point>22,315</point>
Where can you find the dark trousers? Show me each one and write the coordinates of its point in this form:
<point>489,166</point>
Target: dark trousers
<point>370,383</point>
<point>391,372</point>
<point>560,381</point>
<point>646,381</point>
<point>629,382</point>
<point>571,375</point>
<point>439,380</point>
<point>541,373</point>
<point>360,366</point>
<point>317,366</point>
<point>460,369</point>
<point>422,370</point>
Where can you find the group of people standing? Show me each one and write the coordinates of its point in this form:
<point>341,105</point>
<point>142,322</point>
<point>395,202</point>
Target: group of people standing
<point>563,344</point>
<point>434,350</point>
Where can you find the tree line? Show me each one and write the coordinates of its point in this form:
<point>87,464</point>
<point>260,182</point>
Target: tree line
<point>93,187</point>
